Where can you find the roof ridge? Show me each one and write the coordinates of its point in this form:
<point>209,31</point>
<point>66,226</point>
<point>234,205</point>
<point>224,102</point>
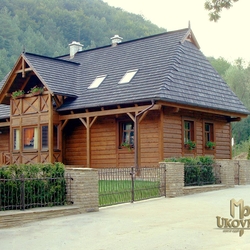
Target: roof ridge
<point>51,58</point>
<point>130,41</point>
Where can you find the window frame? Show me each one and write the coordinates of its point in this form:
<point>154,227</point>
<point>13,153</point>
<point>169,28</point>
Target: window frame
<point>193,133</point>
<point>35,139</point>
<point>17,137</point>
<point>190,131</point>
<point>97,82</point>
<point>209,134</point>
<point>122,125</point>
<point>128,76</point>
<point>41,136</point>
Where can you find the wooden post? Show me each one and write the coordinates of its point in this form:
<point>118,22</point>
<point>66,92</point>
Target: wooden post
<point>88,143</point>
<point>50,127</point>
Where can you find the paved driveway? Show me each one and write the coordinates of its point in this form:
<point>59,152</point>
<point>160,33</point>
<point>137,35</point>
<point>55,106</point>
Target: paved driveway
<point>187,222</point>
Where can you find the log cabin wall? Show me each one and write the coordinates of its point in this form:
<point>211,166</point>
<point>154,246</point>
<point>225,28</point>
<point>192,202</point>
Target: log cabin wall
<point>106,150</point>
<point>74,143</point>
<point>173,144</point>
<point>150,140</point>
<point>4,145</point>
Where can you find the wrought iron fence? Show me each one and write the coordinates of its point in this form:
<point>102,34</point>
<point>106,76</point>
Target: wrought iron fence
<point>198,175</point>
<point>22,193</point>
<point>120,185</point>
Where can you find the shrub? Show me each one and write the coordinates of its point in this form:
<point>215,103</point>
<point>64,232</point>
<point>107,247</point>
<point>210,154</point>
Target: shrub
<point>197,170</point>
<point>42,185</point>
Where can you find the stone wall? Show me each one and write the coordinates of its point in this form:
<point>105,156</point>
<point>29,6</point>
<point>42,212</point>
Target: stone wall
<point>226,172</point>
<point>83,193</point>
<point>84,188</point>
<point>243,172</point>
<point>174,178</point>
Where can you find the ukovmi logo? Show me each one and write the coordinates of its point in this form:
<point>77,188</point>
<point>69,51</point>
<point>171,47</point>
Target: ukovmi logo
<point>233,224</point>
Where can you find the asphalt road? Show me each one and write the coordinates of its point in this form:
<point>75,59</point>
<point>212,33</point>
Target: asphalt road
<point>187,222</point>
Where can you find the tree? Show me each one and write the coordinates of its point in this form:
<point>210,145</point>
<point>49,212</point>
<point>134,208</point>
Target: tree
<point>216,6</point>
<point>220,64</point>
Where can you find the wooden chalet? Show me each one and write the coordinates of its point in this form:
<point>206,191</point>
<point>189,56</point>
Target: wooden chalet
<point>125,104</point>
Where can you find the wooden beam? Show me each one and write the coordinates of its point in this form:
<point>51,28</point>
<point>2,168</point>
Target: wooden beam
<point>107,112</point>
<point>92,122</point>
<point>83,122</point>
<point>207,110</point>
<point>23,71</point>
<point>57,101</point>
<point>50,132</point>
<point>234,119</point>
<point>4,124</point>
<point>88,143</point>
<point>23,68</point>
<point>131,116</point>
<point>142,116</point>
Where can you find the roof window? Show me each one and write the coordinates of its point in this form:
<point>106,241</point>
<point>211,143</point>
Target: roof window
<point>128,76</point>
<point>96,83</point>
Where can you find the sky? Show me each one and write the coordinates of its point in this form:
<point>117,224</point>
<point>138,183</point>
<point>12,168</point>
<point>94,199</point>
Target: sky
<point>228,38</point>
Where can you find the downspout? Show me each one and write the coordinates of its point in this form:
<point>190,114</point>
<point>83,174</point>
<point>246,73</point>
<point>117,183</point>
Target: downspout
<point>136,132</point>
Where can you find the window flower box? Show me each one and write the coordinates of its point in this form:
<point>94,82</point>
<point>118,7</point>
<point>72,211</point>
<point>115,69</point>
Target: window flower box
<point>190,145</point>
<point>17,94</point>
<point>210,145</point>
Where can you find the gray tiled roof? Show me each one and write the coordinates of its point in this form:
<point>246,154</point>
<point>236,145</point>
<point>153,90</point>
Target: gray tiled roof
<point>59,75</point>
<point>169,69</point>
<point>4,111</point>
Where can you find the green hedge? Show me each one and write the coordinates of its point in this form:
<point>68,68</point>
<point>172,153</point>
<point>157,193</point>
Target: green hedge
<point>197,170</point>
<point>42,185</point>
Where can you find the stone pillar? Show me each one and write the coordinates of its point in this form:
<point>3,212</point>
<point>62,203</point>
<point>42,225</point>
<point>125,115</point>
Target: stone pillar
<point>227,172</point>
<point>244,172</point>
<point>84,188</point>
<point>174,178</point>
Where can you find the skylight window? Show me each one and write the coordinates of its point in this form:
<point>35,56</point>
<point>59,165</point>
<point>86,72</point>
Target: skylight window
<point>128,76</point>
<point>96,83</point>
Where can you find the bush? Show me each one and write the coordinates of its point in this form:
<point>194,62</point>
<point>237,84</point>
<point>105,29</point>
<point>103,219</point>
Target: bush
<point>33,185</point>
<point>197,170</point>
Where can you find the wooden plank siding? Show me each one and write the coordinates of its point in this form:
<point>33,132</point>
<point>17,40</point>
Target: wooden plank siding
<point>74,146</point>
<point>4,144</point>
<point>173,135</point>
<point>105,148</point>
<point>103,143</point>
<point>150,140</point>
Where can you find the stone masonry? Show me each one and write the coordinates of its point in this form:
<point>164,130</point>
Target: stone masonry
<point>84,188</point>
<point>175,178</point>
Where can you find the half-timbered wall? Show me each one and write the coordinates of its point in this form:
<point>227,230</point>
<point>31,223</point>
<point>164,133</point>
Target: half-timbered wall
<point>29,112</point>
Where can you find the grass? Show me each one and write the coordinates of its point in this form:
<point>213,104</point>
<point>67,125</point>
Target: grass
<point>114,192</point>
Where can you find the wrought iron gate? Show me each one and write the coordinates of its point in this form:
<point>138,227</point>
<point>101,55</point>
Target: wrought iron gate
<point>121,185</point>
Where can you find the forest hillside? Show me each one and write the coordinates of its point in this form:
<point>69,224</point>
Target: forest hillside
<point>46,27</point>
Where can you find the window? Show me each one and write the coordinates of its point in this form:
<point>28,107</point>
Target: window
<point>128,76</point>
<point>127,133</point>
<point>30,138</point>
<point>188,131</point>
<point>96,83</point>
<point>45,137</point>
<point>16,136</point>
<point>209,132</point>
<point>56,135</point>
